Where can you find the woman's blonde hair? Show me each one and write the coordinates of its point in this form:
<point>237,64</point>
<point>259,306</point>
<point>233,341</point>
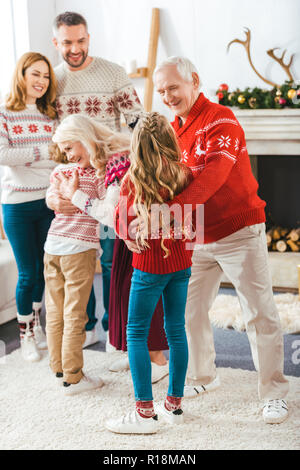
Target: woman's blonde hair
<point>155,166</point>
<point>99,140</point>
<point>16,100</point>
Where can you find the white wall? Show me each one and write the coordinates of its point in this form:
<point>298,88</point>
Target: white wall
<point>7,53</point>
<point>199,29</point>
<point>40,18</point>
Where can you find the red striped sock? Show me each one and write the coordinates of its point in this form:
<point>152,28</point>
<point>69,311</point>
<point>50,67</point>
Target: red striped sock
<point>23,328</point>
<point>173,403</point>
<point>145,409</point>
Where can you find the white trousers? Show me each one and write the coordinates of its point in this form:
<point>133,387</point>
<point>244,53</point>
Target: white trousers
<point>243,257</point>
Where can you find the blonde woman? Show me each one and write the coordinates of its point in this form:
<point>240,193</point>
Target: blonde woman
<point>72,243</point>
<point>109,154</point>
<point>162,267</point>
<point>27,121</point>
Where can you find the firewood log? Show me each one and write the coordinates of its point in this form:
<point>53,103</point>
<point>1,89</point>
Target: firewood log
<point>276,233</point>
<point>294,234</point>
<point>294,246</point>
<point>281,246</point>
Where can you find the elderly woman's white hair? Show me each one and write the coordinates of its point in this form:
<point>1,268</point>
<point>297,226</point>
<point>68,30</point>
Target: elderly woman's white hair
<point>185,67</point>
<point>77,128</point>
<point>99,140</point>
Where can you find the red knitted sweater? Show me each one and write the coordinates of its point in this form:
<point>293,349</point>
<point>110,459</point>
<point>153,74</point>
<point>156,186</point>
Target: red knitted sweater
<point>151,260</point>
<point>214,147</point>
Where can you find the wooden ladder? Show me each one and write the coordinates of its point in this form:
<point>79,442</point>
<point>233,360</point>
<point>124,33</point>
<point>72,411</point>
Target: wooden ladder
<point>147,72</point>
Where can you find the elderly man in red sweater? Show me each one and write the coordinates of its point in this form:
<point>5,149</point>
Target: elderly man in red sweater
<point>213,146</point>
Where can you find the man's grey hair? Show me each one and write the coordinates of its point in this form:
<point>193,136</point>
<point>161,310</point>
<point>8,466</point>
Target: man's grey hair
<point>68,18</point>
<point>184,66</point>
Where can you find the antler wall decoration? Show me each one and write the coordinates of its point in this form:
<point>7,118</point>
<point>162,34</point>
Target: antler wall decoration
<point>270,52</point>
<point>286,67</point>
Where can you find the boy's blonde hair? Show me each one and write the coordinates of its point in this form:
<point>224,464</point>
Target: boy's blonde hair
<point>155,165</point>
<point>16,100</point>
<point>99,140</point>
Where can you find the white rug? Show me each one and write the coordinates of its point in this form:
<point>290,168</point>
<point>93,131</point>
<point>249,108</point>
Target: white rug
<point>34,414</point>
<point>226,312</point>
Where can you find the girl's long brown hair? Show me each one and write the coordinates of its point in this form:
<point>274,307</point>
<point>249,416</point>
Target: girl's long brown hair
<point>155,165</point>
<point>16,100</point>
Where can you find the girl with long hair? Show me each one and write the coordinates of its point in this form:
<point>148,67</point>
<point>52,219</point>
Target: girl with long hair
<point>109,154</point>
<point>161,267</point>
<point>27,122</point>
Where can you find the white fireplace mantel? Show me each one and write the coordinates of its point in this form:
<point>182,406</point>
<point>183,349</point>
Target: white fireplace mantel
<point>271,131</point>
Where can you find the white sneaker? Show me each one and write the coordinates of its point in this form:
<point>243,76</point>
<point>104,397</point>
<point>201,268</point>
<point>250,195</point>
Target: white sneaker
<point>172,417</point>
<point>159,372</point>
<point>29,348</point>
<point>132,423</point>
<point>192,391</point>
<point>83,385</point>
<point>119,365</point>
<point>40,337</point>
<point>109,347</point>
<point>275,411</point>
<point>91,338</point>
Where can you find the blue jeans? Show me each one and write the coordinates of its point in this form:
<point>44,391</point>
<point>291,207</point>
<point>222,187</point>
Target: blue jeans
<point>107,241</point>
<point>145,292</point>
<point>107,238</point>
<point>26,226</point>
<point>91,311</point>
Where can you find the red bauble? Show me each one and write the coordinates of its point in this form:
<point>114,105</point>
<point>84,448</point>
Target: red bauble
<point>282,101</point>
<point>223,87</point>
<point>220,96</point>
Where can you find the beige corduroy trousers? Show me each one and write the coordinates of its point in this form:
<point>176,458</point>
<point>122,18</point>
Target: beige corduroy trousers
<point>68,284</point>
<point>243,257</point>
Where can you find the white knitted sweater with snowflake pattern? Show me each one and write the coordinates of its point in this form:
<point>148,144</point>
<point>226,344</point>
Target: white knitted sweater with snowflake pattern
<point>102,90</point>
<point>24,153</point>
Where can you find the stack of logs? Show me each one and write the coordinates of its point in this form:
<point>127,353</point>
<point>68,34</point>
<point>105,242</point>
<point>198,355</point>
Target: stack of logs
<point>283,239</point>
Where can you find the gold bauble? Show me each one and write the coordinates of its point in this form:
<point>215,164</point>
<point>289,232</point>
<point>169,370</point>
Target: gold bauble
<point>276,99</point>
<point>241,99</point>
<point>230,96</point>
<point>291,93</point>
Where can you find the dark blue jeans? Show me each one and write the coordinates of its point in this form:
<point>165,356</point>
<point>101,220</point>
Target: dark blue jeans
<point>145,292</point>
<point>26,226</point>
<point>107,238</point>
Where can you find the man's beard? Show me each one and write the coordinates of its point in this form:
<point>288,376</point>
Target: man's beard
<point>79,64</point>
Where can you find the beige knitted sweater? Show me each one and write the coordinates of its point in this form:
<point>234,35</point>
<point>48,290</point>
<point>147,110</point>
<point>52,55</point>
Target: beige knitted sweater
<point>102,90</point>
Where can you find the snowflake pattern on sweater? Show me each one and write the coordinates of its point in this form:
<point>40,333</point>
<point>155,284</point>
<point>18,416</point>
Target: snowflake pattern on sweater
<point>214,147</point>
<point>102,91</point>
<point>79,228</point>
<point>24,152</point>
